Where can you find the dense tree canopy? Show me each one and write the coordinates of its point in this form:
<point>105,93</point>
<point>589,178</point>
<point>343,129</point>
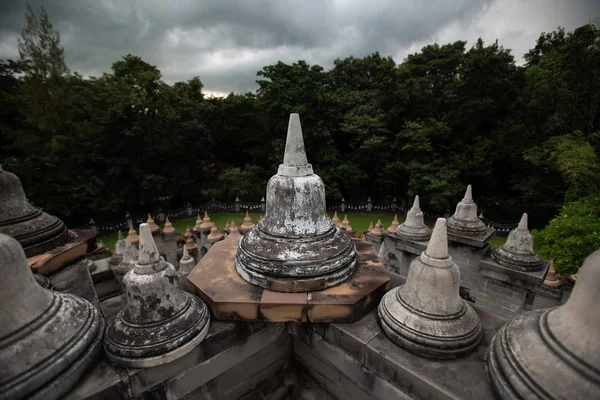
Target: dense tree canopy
<point>449,115</point>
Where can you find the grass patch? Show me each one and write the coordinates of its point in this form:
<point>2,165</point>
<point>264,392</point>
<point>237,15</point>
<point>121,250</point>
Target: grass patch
<point>359,221</point>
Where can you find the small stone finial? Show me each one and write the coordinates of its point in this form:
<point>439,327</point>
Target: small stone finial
<point>188,233</point>
<point>132,236</point>
<point>465,221</point>
<point>168,229</point>
<point>206,224</point>
<point>117,256</point>
<point>426,315</point>
<point>552,277</point>
<point>414,227</point>
<point>148,253</point>
<point>247,225</point>
<point>394,227</point>
<point>346,224</point>
<point>336,220</point>
<point>378,230</point>
<point>370,228</point>
<point>198,223</point>
<point>159,322</point>
<point>186,264</point>
<point>153,227</point>
<point>552,353</point>
<point>517,252</point>
<point>214,235</point>
<point>190,244</point>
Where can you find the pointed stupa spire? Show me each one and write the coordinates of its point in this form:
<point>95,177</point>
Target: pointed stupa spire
<point>438,244</point>
<point>148,253</point>
<point>186,264</point>
<point>295,162</point>
<point>132,236</point>
<point>206,224</point>
<point>552,353</point>
<point>188,233</point>
<point>517,252</point>
<point>160,322</point>
<point>168,228</point>
<point>370,228</point>
<point>552,277</point>
<point>153,227</point>
<point>465,221</point>
<point>346,224</point>
<point>248,224</point>
<point>426,315</point>
<point>233,230</point>
<point>214,235</point>
<point>336,220</point>
<point>414,227</point>
<point>190,244</point>
<point>394,227</point>
<point>378,230</point>
<point>117,256</point>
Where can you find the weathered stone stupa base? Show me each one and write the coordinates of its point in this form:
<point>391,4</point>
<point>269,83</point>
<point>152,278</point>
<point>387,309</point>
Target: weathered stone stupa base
<point>232,298</point>
<point>444,345</point>
<point>80,242</point>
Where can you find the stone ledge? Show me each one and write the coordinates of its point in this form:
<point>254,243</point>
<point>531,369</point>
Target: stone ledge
<point>80,242</point>
<point>525,279</point>
<point>476,241</point>
<point>231,298</point>
<point>362,353</point>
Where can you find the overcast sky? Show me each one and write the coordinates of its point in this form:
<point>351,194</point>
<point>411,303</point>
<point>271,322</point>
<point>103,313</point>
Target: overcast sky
<point>225,42</point>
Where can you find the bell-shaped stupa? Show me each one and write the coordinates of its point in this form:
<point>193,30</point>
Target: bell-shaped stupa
<point>465,220</point>
<point>378,229</point>
<point>247,224</point>
<point>206,224</point>
<point>168,228</point>
<point>426,315</point>
<point>414,227</point>
<point>160,322</point>
<point>214,235</point>
<point>517,252</point>
<point>153,227</point>
<point>552,353</point>
<point>36,231</point>
<point>47,339</point>
<point>296,247</point>
<point>117,256</point>
<point>394,226</point>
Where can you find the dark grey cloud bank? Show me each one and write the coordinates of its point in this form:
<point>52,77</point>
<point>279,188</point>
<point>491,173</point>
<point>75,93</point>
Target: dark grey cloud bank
<point>226,42</point>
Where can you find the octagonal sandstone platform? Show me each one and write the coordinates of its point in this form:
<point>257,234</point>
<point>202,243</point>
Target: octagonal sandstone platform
<point>231,298</point>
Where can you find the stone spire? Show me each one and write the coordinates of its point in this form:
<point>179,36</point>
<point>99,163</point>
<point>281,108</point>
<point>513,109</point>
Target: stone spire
<point>214,235</point>
<point>370,228</point>
<point>117,256</point>
<point>465,220</point>
<point>346,224</point>
<point>394,227</point>
<point>296,247</point>
<point>132,236</point>
<point>378,230</point>
<point>35,230</point>
<point>233,230</point>
<point>206,223</point>
<point>336,220</point>
<point>426,315</point>
<point>188,233</point>
<point>168,229</point>
<point>247,225</point>
<point>190,244</point>
<point>517,252</point>
<point>48,339</point>
<point>414,227</point>
<point>227,225</point>
<point>198,224</point>
<point>552,353</point>
<point>153,227</point>
<point>160,322</point>
<point>552,277</point>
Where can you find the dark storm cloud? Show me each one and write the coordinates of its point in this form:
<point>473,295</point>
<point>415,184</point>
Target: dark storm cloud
<point>226,42</point>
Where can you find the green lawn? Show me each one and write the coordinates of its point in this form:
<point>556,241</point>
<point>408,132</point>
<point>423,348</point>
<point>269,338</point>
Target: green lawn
<point>359,221</point>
